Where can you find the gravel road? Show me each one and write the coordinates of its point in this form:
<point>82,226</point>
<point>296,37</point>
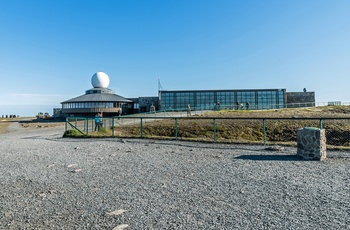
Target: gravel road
<point>49,182</point>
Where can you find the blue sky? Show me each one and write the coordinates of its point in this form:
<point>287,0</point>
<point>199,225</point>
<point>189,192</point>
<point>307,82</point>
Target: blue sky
<point>49,50</point>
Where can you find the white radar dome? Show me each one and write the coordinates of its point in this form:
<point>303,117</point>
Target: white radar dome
<point>100,80</point>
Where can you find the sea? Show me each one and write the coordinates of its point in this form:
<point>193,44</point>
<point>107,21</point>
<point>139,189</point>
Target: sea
<point>26,110</point>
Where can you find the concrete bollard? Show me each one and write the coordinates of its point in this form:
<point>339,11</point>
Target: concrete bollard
<point>311,143</point>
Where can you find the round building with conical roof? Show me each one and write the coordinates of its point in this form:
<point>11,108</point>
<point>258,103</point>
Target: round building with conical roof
<point>99,99</point>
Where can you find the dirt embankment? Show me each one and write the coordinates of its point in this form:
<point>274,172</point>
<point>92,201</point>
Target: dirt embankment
<point>3,127</point>
<point>15,125</point>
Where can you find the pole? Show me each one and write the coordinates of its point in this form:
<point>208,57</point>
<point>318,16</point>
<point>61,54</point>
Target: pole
<point>176,129</point>
<point>264,130</point>
<point>141,127</point>
<point>112,126</point>
<point>214,130</point>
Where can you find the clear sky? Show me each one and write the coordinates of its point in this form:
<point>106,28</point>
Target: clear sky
<point>49,50</point>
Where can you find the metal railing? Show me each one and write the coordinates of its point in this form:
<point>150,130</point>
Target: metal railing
<point>260,106</point>
<point>214,129</point>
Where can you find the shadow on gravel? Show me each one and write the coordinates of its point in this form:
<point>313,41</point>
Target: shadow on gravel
<point>270,157</point>
<point>196,144</point>
<point>57,120</point>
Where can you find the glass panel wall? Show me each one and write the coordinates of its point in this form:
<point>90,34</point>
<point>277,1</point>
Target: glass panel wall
<point>168,102</point>
<point>204,100</point>
<point>182,99</point>
<point>83,105</point>
<point>228,99</point>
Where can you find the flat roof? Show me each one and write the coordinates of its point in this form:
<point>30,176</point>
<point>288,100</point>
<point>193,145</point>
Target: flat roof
<point>219,90</point>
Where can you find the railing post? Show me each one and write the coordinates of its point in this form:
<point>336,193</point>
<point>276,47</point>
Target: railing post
<point>176,129</point>
<point>321,124</point>
<point>214,130</point>
<point>141,127</point>
<point>264,130</point>
<point>87,125</point>
<point>65,126</point>
<point>112,126</point>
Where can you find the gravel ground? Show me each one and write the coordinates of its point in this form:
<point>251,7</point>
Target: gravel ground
<point>49,182</point>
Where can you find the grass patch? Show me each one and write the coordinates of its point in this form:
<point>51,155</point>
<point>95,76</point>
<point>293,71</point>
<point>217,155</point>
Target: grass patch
<point>73,133</point>
<point>249,130</point>
<point>243,130</point>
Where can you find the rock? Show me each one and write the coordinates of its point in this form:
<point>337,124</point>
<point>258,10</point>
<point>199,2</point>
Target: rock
<point>8,214</point>
<point>72,165</point>
<point>42,195</point>
<point>115,213</point>
<point>121,227</point>
<point>274,148</point>
<point>49,166</point>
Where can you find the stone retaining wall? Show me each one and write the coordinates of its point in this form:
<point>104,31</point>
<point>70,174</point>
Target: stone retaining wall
<point>311,143</point>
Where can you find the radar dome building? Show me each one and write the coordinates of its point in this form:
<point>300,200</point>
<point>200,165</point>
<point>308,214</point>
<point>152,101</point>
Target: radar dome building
<point>100,80</point>
<point>99,99</point>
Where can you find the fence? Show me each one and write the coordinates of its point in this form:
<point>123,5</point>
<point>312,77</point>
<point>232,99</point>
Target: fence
<point>214,129</point>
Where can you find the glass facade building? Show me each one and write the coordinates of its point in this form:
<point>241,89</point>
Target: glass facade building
<point>223,99</point>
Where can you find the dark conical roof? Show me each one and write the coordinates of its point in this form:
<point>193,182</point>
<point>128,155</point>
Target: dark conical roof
<point>99,95</point>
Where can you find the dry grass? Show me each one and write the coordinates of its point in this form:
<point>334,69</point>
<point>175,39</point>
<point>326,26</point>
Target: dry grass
<point>3,126</point>
<point>327,111</point>
<point>250,130</point>
<point>28,123</point>
<point>243,130</point>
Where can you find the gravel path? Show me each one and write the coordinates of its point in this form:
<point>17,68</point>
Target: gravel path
<point>47,182</point>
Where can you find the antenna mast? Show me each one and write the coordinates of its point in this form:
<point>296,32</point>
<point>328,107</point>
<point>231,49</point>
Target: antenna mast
<point>159,86</point>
